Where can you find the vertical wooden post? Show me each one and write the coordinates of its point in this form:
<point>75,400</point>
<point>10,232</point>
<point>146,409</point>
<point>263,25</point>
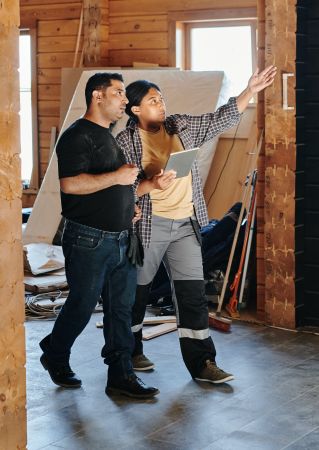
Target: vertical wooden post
<point>12,341</point>
<point>280,164</point>
<point>92,31</point>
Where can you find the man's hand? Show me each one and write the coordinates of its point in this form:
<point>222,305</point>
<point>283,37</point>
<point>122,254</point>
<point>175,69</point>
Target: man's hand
<point>163,179</point>
<point>259,81</point>
<point>126,174</point>
<point>137,214</point>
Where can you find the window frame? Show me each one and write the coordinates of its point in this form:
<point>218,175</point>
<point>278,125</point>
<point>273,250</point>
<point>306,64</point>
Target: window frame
<point>34,180</point>
<point>179,20</point>
<point>219,23</point>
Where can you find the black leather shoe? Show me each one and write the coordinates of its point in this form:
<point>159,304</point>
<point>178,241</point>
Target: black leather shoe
<point>61,375</point>
<point>132,387</point>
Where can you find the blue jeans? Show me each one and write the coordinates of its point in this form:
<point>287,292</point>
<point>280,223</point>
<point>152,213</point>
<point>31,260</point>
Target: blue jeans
<point>96,267</point>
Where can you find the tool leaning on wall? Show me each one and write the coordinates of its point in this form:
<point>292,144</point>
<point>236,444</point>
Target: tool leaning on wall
<point>216,319</point>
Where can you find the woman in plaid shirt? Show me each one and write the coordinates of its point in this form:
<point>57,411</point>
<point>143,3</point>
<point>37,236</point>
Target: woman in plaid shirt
<point>173,210</point>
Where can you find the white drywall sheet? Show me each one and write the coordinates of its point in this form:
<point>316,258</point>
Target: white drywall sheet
<point>184,92</point>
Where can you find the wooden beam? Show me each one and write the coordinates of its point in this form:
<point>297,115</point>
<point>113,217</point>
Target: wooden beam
<point>158,330</point>
<point>92,38</point>
<point>12,332</point>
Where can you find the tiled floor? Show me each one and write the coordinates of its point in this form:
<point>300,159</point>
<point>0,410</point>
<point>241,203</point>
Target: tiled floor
<point>272,404</point>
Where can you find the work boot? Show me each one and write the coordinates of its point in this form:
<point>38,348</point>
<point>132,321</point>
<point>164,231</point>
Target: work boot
<point>62,375</point>
<point>132,386</point>
<point>141,362</point>
<point>213,374</point>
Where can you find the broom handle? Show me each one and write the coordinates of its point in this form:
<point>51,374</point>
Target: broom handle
<point>244,201</point>
<point>251,232</point>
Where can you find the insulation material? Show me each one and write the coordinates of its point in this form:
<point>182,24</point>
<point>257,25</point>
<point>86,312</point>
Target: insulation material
<point>198,92</point>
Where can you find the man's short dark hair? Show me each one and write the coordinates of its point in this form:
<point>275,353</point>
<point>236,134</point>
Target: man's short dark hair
<point>98,81</point>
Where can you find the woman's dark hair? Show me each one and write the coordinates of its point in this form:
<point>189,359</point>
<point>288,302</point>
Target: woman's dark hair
<point>101,80</point>
<point>135,92</point>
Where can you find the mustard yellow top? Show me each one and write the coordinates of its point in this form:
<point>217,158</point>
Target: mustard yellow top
<point>175,202</point>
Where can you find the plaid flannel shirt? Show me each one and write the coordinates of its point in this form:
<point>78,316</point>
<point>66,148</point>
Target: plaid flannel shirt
<point>193,131</point>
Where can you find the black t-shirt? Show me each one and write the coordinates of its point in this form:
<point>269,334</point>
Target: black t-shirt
<point>86,147</point>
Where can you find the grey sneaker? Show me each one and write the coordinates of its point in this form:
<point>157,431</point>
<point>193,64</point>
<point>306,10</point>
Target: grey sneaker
<point>213,374</point>
<point>141,362</point>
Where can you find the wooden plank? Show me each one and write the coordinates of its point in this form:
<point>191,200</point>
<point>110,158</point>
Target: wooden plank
<point>57,44</point>
<point>49,76</point>
<point>49,92</point>
<point>44,139</point>
<point>54,44</point>
<point>138,41</point>
<point>158,330</point>
<point>30,13</point>
<point>45,155</point>
<point>155,320</point>
<point>43,169</point>
<point>48,60</point>
<point>138,24</point>
<point>24,3</point>
<point>58,28</point>
<point>213,14</point>
<point>125,58</point>
<point>45,123</point>
<point>48,108</point>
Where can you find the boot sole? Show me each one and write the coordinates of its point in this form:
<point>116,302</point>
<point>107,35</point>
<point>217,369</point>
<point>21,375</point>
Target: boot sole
<point>116,391</point>
<point>223,380</point>
<point>67,386</point>
<point>143,369</point>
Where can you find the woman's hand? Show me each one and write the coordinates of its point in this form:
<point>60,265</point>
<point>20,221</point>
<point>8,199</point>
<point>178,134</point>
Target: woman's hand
<point>259,81</point>
<point>163,179</point>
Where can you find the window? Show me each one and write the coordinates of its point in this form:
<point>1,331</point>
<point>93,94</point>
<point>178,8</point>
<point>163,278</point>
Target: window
<point>228,45</point>
<point>28,129</point>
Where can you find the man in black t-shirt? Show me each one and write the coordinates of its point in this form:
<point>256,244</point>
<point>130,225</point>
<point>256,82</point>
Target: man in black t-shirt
<point>98,206</point>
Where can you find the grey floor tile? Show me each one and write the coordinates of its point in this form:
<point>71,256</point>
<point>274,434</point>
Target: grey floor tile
<point>308,442</point>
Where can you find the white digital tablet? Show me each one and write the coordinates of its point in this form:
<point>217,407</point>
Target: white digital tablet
<point>181,162</point>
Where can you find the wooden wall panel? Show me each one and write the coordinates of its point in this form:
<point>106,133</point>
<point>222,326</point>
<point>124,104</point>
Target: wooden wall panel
<point>12,339</point>
<point>142,24</point>
<point>140,30</point>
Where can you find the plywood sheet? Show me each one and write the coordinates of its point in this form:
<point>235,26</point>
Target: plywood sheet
<point>225,182</point>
